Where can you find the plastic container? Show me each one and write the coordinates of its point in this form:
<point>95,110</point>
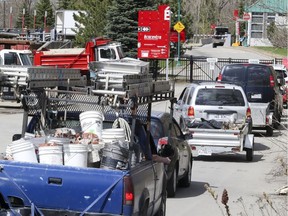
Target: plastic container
<point>92,122</point>
<point>115,155</point>
<point>23,150</point>
<point>51,154</point>
<point>113,134</point>
<point>75,155</point>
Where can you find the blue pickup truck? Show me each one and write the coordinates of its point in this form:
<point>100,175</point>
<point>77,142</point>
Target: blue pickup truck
<point>46,189</point>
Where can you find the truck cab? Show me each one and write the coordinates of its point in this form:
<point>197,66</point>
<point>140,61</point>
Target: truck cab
<point>15,57</point>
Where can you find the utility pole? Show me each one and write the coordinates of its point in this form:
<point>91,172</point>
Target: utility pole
<point>178,53</point>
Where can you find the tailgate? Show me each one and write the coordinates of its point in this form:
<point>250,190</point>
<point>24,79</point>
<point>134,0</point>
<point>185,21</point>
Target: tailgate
<point>61,187</point>
<point>259,112</point>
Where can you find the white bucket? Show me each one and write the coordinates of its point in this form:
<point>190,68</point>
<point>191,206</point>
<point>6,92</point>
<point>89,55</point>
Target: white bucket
<point>75,155</point>
<point>23,150</point>
<point>51,154</point>
<point>92,122</point>
<point>113,134</point>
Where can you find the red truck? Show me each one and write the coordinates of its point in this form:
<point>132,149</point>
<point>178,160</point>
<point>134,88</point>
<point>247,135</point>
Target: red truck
<point>98,49</point>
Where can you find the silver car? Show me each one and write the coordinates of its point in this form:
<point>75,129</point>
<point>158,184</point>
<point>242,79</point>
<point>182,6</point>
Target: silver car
<point>212,101</point>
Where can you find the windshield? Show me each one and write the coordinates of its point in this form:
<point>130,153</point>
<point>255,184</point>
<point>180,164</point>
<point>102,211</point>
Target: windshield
<point>25,58</point>
<point>220,97</point>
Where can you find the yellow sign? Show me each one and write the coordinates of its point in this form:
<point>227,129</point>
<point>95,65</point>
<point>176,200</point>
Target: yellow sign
<point>178,27</point>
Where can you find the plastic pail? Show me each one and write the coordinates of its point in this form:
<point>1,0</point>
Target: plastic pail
<point>51,154</point>
<point>113,134</point>
<point>92,122</point>
<point>115,155</point>
<point>23,150</point>
<point>75,155</point>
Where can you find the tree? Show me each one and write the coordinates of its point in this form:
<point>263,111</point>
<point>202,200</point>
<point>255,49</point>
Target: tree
<point>41,7</point>
<point>28,17</point>
<point>68,4</point>
<point>91,24</point>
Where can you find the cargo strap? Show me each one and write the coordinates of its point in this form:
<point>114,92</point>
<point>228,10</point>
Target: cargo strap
<point>103,194</point>
<point>33,206</point>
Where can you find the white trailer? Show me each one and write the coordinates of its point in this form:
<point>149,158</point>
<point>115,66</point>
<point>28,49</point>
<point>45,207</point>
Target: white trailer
<point>65,23</point>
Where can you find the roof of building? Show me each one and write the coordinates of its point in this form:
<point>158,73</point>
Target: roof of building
<point>269,6</point>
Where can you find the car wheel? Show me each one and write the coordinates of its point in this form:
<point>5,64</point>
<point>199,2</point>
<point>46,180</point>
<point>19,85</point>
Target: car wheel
<point>186,180</point>
<point>172,184</point>
<point>162,208</point>
<point>269,131</point>
<point>214,46</point>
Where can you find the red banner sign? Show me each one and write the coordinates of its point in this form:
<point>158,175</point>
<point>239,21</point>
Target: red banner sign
<point>154,33</point>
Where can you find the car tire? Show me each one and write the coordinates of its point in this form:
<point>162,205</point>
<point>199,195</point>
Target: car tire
<point>172,184</point>
<point>186,180</point>
<point>214,45</point>
<point>269,131</point>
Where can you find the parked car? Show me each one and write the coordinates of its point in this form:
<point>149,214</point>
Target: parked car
<point>261,86</point>
<point>180,168</point>
<point>212,100</point>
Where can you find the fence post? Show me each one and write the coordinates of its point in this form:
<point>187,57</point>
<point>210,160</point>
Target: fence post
<point>191,68</point>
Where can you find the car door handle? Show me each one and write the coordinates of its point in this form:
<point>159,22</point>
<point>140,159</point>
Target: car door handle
<point>56,181</point>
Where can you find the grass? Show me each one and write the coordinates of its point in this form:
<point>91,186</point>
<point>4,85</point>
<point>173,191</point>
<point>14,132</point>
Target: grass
<point>273,50</point>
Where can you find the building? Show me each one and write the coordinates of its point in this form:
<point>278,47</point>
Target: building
<point>262,13</point>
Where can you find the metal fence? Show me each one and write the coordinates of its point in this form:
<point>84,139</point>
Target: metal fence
<point>190,69</point>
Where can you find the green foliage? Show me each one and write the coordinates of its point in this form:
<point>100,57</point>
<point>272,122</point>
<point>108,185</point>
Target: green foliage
<point>28,17</point>
<point>68,4</point>
<point>122,23</point>
<point>93,22</point>
<point>41,7</point>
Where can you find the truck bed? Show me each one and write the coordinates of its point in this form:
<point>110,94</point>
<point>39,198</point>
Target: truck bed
<point>61,187</point>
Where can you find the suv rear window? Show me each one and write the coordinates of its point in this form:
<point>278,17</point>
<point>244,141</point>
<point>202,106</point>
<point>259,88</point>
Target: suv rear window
<point>234,73</point>
<point>220,97</point>
<point>258,76</point>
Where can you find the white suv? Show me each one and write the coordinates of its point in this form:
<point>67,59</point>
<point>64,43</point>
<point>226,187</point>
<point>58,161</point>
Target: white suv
<point>212,101</point>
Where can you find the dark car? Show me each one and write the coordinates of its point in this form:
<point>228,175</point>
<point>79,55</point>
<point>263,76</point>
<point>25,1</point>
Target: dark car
<point>259,83</point>
<point>180,168</point>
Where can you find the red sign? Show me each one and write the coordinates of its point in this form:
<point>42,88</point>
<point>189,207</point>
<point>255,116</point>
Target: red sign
<point>246,16</point>
<point>235,14</point>
<point>154,33</point>
<point>174,36</point>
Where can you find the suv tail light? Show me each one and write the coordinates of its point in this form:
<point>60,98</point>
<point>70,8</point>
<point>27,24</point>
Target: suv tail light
<point>128,191</point>
<point>191,111</point>
<point>272,82</point>
<point>248,113</point>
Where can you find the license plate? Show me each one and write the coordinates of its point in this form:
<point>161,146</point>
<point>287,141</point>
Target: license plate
<point>219,116</point>
<point>256,96</point>
<point>205,151</point>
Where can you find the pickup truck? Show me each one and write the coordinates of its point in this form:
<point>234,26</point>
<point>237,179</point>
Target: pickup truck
<point>48,189</point>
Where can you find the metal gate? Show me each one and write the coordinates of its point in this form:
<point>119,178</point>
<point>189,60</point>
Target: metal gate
<point>190,69</point>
